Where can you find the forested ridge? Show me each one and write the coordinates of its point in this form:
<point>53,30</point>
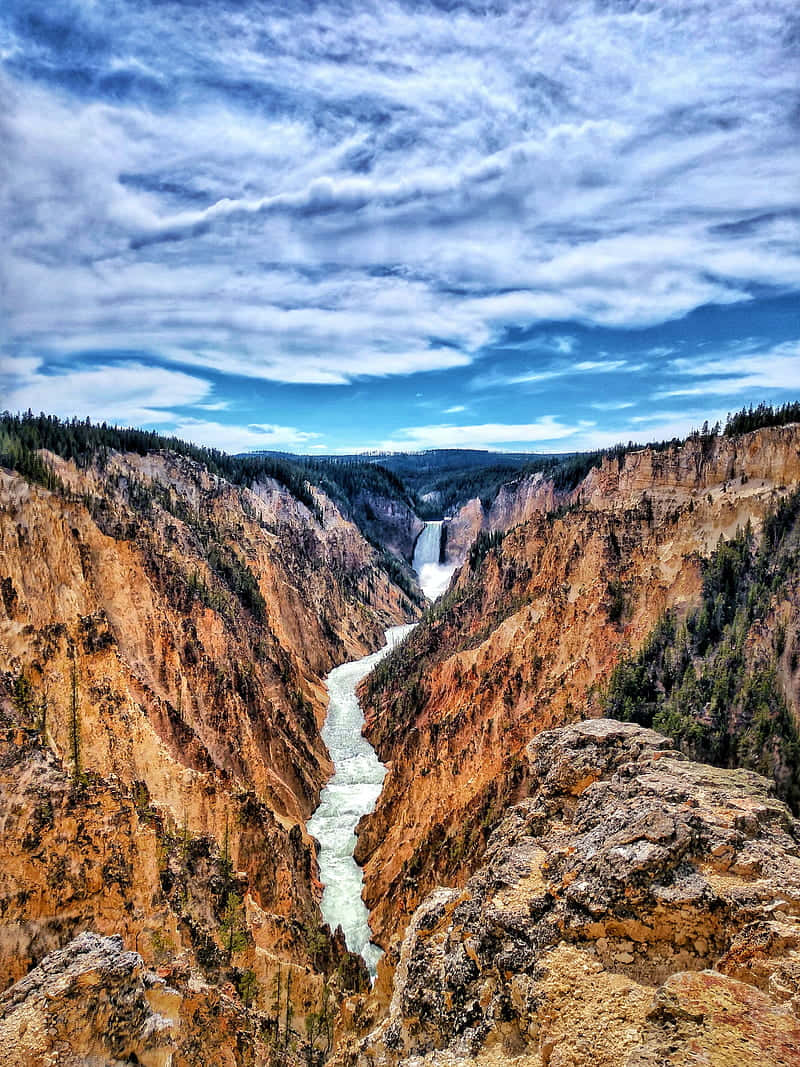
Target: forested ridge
<point>449,476</point>
<point>23,437</point>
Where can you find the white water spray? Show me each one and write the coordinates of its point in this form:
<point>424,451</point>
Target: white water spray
<point>434,577</point>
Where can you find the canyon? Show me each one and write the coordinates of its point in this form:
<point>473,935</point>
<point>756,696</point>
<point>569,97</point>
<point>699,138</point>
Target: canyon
<point>164,640</point>
<point>547,885</point>
<point>526,637</point>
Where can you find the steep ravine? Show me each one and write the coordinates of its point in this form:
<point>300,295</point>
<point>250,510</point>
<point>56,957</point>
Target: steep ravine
<point>351,792</point>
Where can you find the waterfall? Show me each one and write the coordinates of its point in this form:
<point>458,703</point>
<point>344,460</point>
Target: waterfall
<point>434,577</point>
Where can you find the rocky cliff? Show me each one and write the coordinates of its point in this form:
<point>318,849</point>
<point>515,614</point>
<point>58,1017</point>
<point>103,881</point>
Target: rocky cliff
<point>93,1002</point>
<point>390,522</point>
<point>516,502</point>
<point>163,639</point>
<point>634,909</point>
<point>526,635</point>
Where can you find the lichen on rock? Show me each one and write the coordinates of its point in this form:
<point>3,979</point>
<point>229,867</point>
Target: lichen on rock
<point>635,909</point>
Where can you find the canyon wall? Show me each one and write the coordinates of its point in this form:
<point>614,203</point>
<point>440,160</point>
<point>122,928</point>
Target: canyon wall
<point>163,639</point>
<point>524,639</point>
<point>515,502</point>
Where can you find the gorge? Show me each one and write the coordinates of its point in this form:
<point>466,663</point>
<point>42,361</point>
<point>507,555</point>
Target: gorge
<point>350,794</point>
<point>185,660</point>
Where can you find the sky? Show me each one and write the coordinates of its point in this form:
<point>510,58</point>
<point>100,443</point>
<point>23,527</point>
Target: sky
<point>336,226</point>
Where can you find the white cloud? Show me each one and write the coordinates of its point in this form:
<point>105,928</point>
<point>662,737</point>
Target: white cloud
<point>547,428</point>
<point>244,438</point>
<point>777,369</point>
<point>316,194</point>
<point>129,393</point>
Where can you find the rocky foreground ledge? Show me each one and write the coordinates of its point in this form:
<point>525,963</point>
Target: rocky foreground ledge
<point>636,909</point>
<point>94,1004</point>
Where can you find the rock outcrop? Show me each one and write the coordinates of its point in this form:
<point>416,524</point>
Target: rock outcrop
<point>90,1002</point>
<point>634,909</point>
<point>526,636</point>
<point>94,1003</point>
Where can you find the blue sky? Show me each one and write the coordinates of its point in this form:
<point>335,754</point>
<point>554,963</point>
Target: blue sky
<point>322,226</point>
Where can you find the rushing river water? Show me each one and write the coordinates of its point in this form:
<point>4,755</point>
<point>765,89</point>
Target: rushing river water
<point>351,793</point>
<point>358,773</point>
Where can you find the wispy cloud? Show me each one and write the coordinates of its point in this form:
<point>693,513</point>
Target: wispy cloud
<point>547,428</point>
<point>130,393</point>
<point>612,405</point>
<point>494,379</point>
<point>232,438</point>
<point>777,368</point>
<point>341,190</point>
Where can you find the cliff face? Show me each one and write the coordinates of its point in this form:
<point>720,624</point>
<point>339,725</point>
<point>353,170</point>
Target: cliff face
<point>391,523</point>
<point>163,638</point>
<point>634,909</point>
<point>701,463</point>
<point>515,503</point>
<point>94,1002</point>
<point>522,641</point>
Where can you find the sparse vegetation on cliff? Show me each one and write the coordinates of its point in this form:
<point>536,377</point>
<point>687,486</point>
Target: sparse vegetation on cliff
<point>712,680</point>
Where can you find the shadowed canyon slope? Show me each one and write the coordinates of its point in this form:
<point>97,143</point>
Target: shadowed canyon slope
<point>528,632</point>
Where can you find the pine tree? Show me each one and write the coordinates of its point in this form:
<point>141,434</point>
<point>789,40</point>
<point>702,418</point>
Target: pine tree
<point>233,927</point>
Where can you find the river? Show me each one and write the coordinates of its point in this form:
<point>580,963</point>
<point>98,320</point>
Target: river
<point>358,773</point>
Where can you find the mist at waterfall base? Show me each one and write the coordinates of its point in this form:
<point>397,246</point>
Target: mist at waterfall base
<point>358,773</point>
<point>351,793</point>
<point>434,577</point>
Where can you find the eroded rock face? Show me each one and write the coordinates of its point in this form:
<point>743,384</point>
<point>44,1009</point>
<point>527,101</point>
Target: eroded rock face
<point>392,523</point>
<point>88,1003</point>
<point>94,1004</point>
<point>516,502</point>
<point>635,909</point>
<point>164,636</point>
<point>529,636</point>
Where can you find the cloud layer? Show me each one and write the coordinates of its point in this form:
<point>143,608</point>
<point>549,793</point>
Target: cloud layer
<point>322,194</point>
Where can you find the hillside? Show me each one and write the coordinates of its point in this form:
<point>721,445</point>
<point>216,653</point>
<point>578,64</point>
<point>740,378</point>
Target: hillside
<point>164,634</point>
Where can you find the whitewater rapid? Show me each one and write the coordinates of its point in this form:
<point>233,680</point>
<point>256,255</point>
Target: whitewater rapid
<point>351,793</point>
<point>358,773</point>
